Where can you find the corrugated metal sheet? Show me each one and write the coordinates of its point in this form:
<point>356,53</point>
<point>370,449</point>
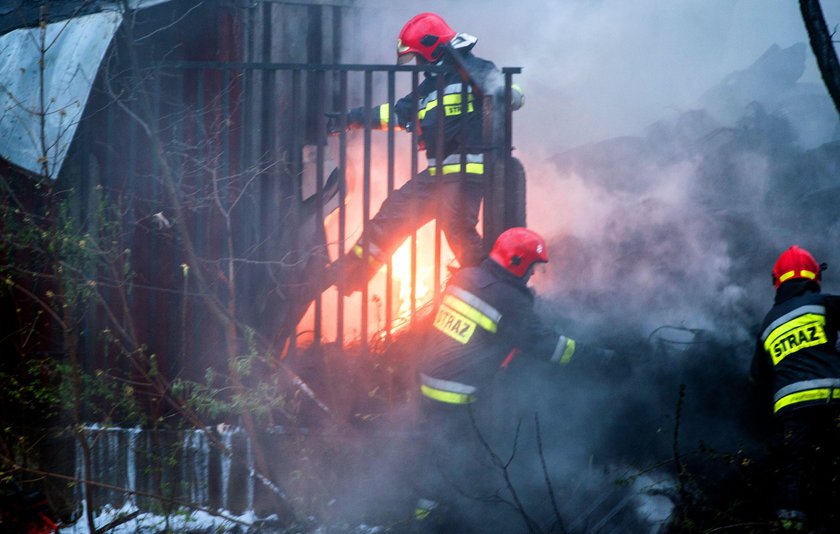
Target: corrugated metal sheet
<point>74,51</point>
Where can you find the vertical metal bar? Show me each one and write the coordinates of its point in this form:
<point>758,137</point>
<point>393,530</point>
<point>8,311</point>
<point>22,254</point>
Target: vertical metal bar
<point>156,131</point>
<point>342,195</point>
<point>465,119</point>
<point>199,138</point>
<point>185,331</point>
<point>226,121</point>
<point>441,140</point>
<point>224,162</point>
<point>414,164</point>
<point>241,167</point>
<point>268,202</point>
<point>294,150</point>
<point>491,197</point>
<point>179,125</point>
<point>321,141</point>
<point>512,197</point>
<point>368,98</point>
<point>203,221</point>
<point>337,39</point>
<point>389,279</point>
<point>152,263</point>
<point>314,55</point>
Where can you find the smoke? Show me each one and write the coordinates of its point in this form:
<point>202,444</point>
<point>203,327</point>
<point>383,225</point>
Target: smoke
<point>672,151</point>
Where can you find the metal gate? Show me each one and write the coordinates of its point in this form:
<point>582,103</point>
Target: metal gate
<point>268,123</point>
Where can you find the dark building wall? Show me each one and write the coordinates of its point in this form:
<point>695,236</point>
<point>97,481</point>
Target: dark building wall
<point>226,141</point>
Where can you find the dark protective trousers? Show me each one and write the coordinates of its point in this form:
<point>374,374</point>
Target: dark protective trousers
<point>456,470</point>
<point>454,199</point>
<point>807,461</point>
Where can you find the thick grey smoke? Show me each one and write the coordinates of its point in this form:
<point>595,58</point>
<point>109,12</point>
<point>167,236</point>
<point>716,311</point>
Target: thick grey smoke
<point>672,150</point>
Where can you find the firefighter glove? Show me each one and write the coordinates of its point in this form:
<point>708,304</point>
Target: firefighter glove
<point>355,120</point>
<point>333,122</point>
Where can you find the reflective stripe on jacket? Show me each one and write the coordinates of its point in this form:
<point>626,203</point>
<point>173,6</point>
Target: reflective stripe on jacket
<point>796,359</point>
<point>484,313</point>
<point>462,124</point>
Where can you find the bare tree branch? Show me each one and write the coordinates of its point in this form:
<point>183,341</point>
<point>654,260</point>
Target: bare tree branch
<point>823,47</point>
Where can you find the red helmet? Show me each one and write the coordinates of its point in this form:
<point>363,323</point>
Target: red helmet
<point>516,249</point>
<point>424,34</point>
<point>794,263</point>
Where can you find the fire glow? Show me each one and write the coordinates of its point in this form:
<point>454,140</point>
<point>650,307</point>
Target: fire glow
<point>401,309</point>
<point>378,324</point>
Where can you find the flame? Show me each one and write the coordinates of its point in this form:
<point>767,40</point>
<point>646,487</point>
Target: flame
<point>401,316</point>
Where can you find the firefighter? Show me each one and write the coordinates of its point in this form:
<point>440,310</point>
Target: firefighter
<point>455,197</point>
<point>797,362</point>
<point>486,312</point>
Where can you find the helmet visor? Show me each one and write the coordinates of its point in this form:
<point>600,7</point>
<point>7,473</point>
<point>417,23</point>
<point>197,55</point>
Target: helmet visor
<point>405,57</point>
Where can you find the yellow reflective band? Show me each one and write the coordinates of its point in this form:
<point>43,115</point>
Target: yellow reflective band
<point>805,396</point>
<point>421,513</point>
<point>455,109</point>
<point>567,354</point>
<point>384,115</point>
<point>454,325</point>
<point>448,100</point>
<point>471,168</point>
<point>470,312</point>
<point>446,396</point>
<point>804,331</point>
<point>359,251</point>
<point>787,275</point>
<point>804,273</point>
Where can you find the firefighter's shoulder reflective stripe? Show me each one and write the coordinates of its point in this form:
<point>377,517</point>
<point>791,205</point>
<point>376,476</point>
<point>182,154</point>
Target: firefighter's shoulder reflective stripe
<point>795,330</point>
<point>820,389</point>
<point>564,350</point>
<point>474,164</point>
<point>446,390</point>
<point>483,313</point>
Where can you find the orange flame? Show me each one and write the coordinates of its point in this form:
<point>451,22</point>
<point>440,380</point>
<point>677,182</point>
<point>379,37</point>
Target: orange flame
<point>377,289</point>
<point>401,315</point>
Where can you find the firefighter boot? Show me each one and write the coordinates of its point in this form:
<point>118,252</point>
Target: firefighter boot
<point>352,271</point>
<point>426,517</point>
<point>791,520</point>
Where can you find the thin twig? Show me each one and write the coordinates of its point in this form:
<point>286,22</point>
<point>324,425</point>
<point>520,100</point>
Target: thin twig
<point>503,467</point>
<point>559,520</point>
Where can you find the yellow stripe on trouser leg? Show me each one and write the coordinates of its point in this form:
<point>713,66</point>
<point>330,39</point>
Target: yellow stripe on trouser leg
<point>448,397</point>
<point>423,508</point>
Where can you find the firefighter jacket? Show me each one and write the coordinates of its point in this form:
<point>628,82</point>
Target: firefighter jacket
<point>485,313</point>
<point>795,358</point>
<point>462,124</point>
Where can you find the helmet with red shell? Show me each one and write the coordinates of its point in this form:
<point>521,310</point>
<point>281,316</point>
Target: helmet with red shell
<point>425,35</point>
<point>517,249</point>
<point>796,262</point>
